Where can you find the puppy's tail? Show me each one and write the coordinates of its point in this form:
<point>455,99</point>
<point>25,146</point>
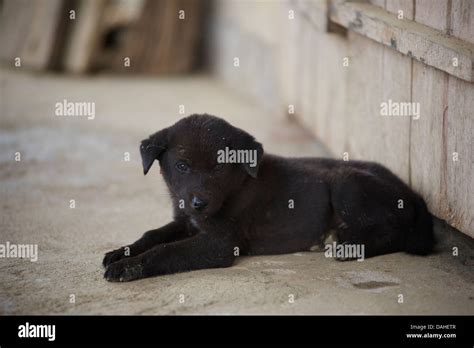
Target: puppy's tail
<point>420,240</point>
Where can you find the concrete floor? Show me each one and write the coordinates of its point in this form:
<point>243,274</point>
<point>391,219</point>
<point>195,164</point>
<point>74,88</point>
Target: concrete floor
<point>70,158</point>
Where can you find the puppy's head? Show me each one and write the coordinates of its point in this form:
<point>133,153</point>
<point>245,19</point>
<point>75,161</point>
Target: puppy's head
<point>200,161</point>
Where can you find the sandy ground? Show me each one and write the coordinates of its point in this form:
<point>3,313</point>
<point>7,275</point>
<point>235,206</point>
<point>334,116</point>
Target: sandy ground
<point>75,158</point>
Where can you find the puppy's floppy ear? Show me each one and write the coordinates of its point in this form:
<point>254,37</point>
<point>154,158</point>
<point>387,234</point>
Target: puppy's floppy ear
<point>245,141</point>
<point>152,148</point>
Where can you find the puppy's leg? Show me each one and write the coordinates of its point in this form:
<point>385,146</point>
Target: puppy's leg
<point>169,233</point>
<point>367,214</point>
<point>204,250</point>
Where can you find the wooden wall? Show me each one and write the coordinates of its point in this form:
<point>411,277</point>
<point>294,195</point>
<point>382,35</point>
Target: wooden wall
<point>299,62</point>
<point>30,32</point>
<point>82,36</point>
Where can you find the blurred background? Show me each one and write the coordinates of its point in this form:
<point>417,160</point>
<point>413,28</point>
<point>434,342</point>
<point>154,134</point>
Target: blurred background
<point>306,77</point>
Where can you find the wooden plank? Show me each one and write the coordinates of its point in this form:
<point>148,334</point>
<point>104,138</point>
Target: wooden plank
<point>338,131</point>
<point>406,6</point>
<point>462,19</point>
<point>288,62</point>
<point>260,60</point>
<point>314,12</point>
<point>297,65</point>
<point>43,34</point>
<point>379,3</point>
<point>364,99</point>
<point>398,84</point>
<point>433,13</point>
<point>161,42</point>
<point>396,130</point>
<point>418,41</point>
<point>257,17</point>
<point>313,59</point>
<point>375,137</point>
<point>83,43</point>
<point>330,80</point>
<point>446,129</point>
<point>427,155</point>
<point>459,137</point>
<point>15,18</point>
<point>29,30</point>
<point>318,85</point>
<point>305,78</point>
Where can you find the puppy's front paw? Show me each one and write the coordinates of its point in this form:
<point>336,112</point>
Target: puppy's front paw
<point>123,271</point>
<point>114,256</point>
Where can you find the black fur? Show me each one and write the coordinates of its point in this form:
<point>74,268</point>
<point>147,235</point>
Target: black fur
<point>240,206</point>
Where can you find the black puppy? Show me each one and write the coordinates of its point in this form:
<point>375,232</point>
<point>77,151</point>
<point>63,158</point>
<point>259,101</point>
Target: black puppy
<point>267,205</point>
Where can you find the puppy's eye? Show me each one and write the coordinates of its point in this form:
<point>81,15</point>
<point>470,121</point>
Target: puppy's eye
<point>182,166</point>
<point>219,166</point>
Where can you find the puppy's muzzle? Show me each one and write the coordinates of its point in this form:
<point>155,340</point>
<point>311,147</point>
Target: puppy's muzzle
<point>198,203</point>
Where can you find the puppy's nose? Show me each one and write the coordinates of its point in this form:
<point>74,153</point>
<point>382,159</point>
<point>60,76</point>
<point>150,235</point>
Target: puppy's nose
<point>198,203</point>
